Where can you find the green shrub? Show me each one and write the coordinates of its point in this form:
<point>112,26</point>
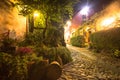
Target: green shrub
<point>54,37</point>
<point>65,54</point>
<point>8,45</point>
<point>5,61</point>
<point>35,38</point>
<point>107,40</point>
<point>78,41</point>
<point>55,53</point>
<point>16,67</point>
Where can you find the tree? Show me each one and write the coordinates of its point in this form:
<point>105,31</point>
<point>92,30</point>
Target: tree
<point>55,12</point>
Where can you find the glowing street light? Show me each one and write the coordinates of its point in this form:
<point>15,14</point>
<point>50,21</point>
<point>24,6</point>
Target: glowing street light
<point>36,14</point>
<point>85,11</point>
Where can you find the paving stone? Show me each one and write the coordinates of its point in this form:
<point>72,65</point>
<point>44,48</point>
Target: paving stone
<point>87,65</point>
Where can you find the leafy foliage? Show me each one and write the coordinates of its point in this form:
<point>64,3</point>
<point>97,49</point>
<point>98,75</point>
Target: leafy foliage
<point>54,36</point>
<point>107,40</point>
<point>35,39</point>
<point>46,6</point>
<point>54,53</point>
<point>78,41</point>
<point>8,45</point>
<point>15,67</point>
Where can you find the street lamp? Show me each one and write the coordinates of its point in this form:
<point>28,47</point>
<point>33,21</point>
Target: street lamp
<point>85,11</point>
<point>36,14</point>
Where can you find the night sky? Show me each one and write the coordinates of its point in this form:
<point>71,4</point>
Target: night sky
<point>95,5</point>
<point>100,4</point>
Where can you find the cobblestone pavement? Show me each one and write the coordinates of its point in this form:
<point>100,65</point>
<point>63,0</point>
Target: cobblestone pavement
<point>87,65</point>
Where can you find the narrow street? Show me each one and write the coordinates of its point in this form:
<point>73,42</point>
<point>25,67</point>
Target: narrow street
<point>87,65</point>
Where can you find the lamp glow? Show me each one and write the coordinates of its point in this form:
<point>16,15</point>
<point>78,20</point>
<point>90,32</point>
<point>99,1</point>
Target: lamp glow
<point>36,14</point>
<point>85,11</point>
<point>108,21</point>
